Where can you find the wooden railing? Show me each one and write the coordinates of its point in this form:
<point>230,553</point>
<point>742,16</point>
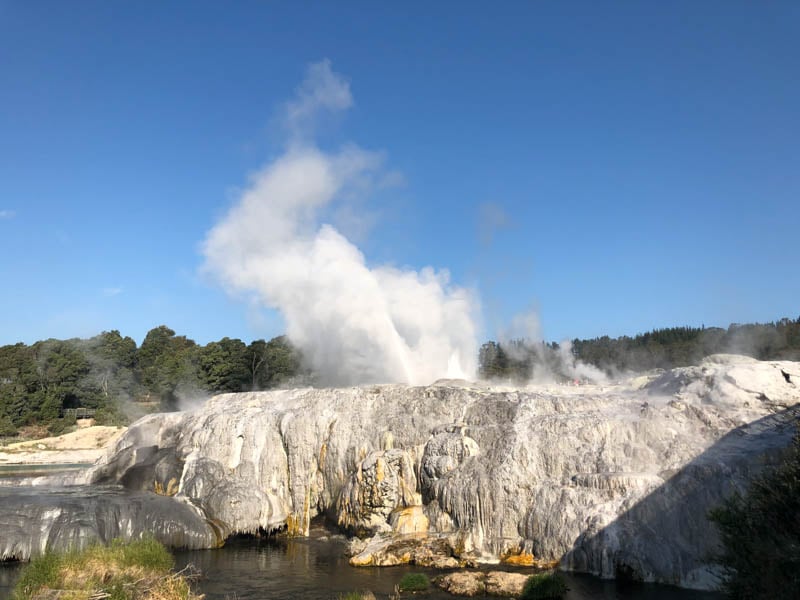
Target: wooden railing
<point>77,413</point>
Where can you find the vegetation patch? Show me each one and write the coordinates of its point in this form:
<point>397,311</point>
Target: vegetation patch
<point>357,596</point>
<point>544,586</point>
<point>760,534</point>
<point>140,570</point>
<point>414,582</point>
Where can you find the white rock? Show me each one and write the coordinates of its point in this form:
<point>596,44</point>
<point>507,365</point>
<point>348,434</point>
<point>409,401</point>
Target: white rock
<point>607,480</point>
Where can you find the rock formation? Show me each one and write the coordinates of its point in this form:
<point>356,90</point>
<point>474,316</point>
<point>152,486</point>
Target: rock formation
<point>613,480</point>
<point>33,520</point>
<point>478,583</point>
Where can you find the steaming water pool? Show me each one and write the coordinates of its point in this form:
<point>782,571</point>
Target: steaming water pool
<point>316,569</point>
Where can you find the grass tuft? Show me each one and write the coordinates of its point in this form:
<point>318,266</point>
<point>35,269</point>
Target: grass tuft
<point>414,582</point>
<point>139,570</point>
<point>544,586</point>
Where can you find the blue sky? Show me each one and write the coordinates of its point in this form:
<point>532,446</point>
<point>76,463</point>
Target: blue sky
<point>616,167</point>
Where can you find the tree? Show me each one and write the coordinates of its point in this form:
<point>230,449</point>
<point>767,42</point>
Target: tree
<point>283,361</point>
<point>18,381</point>
<point>257,366</point>
<point>760,534</point>
<point>225,366</point>
<point>168,366</point>
<point>62,371</point>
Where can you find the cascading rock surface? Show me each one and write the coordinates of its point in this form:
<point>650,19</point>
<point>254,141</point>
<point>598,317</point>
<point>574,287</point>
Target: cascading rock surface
<point>614,480</point>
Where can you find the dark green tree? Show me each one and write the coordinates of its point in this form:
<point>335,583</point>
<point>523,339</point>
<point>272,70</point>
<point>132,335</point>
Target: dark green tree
<point>760,533</point>
<point>225,366</point>
<point>257,367</point>
<point>18,381</point>
<point>283,360</point>
<point>168,366</point>
<point>62,370</point>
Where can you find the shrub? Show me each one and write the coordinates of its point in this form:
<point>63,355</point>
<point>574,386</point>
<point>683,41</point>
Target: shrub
<point>120,571</point>
<point>544,586</point>
<point>59,426</point>
<point>414,582</point>
<point>760,534</point>
<point>7,428</point>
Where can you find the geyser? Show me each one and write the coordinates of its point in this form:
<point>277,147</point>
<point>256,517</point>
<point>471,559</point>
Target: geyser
<point>355,323</point>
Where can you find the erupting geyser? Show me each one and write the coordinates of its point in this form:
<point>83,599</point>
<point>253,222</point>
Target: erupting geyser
<point>353,322</point>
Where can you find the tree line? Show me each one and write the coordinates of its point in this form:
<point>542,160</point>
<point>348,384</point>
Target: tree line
<point>658,349</point>
<point>114,380</point>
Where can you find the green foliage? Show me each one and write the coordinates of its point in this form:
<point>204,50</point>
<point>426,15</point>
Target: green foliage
<point>544,586</point>
<point>225,366</point>
<point>107,374</point>
<point>660,348</point>
<point>147,553</point>
<point>760,534</point>
<point>282,361</point>
<point>59,426</point>
<point>110,415</point>
<point>7,428</point>
<point>168,366</point>
<point>102,571</point>
<point>258,368</point>
<point>414,582</point>
<point>41,572</point>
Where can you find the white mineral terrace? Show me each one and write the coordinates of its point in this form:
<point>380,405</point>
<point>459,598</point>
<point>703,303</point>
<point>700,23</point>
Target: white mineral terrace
<point>602,479</point>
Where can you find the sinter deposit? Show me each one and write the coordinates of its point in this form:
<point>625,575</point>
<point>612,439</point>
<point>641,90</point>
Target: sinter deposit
<point>614,480</point>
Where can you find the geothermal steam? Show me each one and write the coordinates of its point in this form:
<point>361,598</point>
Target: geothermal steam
<point>354,323</point>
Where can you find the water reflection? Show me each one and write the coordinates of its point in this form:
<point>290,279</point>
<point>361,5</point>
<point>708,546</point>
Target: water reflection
<point>316,569</point>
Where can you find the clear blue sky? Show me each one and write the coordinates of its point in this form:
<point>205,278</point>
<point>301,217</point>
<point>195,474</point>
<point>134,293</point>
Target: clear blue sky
<point>618,166</point>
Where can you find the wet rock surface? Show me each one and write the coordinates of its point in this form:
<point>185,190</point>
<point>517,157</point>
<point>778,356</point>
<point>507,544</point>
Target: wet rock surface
<point>478,583</point>
<point>608,479</point>
<point>34,519</point>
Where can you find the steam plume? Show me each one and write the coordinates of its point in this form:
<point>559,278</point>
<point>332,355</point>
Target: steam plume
<point>353,322</point>
<point>525,337</point>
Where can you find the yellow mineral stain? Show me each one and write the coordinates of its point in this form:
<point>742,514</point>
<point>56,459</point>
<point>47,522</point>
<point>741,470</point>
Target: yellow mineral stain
<point>523,559</point>
<point>411,521</point>
<point>170,489</point>
<point>293,525</point>
<point>361,561</point>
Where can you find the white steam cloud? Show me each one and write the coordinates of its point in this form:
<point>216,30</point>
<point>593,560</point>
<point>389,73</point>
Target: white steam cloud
<point>525,337</point>
<point>354,323</point>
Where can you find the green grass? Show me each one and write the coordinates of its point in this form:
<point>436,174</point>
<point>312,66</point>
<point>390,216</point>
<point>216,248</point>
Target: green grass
<point>147,553</point>
<point>356,596</point>
<point>41,572</point>
<point>120,571</point>
<point>414,582</point>
<point>544,586</point>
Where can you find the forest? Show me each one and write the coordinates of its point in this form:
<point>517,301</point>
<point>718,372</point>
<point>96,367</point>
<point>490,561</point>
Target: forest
<point>519,360</point>
<point>112,380</point>
<point>52,382</point>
